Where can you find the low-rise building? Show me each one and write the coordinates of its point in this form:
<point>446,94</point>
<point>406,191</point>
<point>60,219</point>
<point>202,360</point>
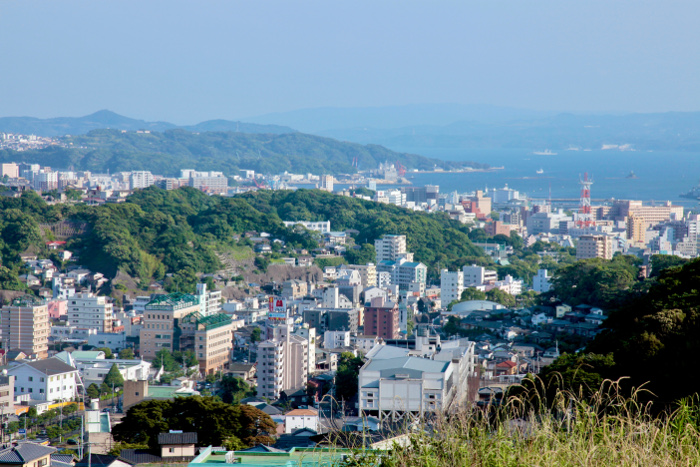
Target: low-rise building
<point>50,379</point>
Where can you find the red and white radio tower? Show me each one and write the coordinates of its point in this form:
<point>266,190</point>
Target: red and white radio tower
<point>585,218</point>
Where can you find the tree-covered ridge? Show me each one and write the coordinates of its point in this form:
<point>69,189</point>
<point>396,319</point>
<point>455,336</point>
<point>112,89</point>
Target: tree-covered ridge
<point>435,239</point>
<point>172,236</point>
<point>167,152</point>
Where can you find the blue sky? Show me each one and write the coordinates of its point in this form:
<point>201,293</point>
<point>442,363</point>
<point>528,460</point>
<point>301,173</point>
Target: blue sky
<point>187,61</point>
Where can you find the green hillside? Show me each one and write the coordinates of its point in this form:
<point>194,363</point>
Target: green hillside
<point>167,152</point>
<point>173,235</point>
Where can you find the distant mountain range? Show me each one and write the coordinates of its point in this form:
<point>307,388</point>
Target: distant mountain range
<point>487,127</point>
<point>105,119</point>
<point>169,151</point>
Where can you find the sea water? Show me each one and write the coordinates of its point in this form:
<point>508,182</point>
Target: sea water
<point>661,175</point>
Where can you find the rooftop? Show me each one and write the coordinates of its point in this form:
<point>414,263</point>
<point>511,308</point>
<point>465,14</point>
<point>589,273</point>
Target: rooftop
<point>28,301</point>
<point>24,453</point>
<point>177,438</point>
<point>306,457</point>
<point>49,366</point>
<point>175,300</point>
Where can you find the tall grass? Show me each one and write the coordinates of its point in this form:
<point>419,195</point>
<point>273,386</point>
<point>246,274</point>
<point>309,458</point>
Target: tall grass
<point>608,429</point>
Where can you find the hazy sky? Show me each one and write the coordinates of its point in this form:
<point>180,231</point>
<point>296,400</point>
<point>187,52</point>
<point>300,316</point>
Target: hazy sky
<point>187,61</point>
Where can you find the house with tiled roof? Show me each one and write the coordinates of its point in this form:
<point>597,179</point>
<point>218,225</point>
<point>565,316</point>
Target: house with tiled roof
<point>49,379</point>
<point>26,455</point>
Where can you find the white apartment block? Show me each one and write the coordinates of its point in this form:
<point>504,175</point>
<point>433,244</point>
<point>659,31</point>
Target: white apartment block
<point>50,379</point>
<point>88,311</point>
<point>209,300</point>
<point>478,275</point>
<point>451,286</point>
<point>140,179</point>
<point>209,182</point>
<point>336,339</point>
<point>541,283</point>
<point>322,226</point>
<point>390,247</point>
<point>282,362</point>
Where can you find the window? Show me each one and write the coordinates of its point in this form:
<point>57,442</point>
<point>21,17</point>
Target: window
<point>31,378</point>
<point>171,449</point>
<point>42,379</point>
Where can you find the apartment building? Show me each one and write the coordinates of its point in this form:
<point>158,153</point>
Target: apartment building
<point>209,300</point>
<point>7,392</point>
<point>594,246</point>
<point>26,327</point>
<point>282,362</point>
<point>161,322</point>
<point>140,179</point>
<point>209,182</point>
<point>211,339</point>
<point>368,273</point>
<point>391,248</point>
<point>382,319</point>
<point>403,272</point>
<point>85,310</point>
<point>475,276</point>
<point>451,286</point>
<point>622,209</point>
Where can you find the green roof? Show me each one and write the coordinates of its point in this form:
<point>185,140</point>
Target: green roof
<point>86,354</point>
<point>303,457</point>
<point>209,322</point>
<point>175,300</point>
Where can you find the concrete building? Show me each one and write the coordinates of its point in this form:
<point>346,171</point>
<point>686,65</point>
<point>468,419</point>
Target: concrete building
<point>161,320</point>
<point>322,226</point>
<point>541,282</point>
<point>88,311</point>
<point>209,182</point>
<point>404,272</point>
<point>394,388</point>
<point>391,248</point>
<point>382,319</point>
<point>451,286</point>
<point>475,276</point>
<point>622,209</point>
<point>140,179</point>
<point>282,362</point>
<point>26,327</point>
<point>211,339</point>
<point>636,229</point>
<point>93,366</point>
<point>594,246</point>
<point>327,183</point>
<point>209,300</point>
<point>7,393</point>
<point>368,273</point>
<point>336,339</point>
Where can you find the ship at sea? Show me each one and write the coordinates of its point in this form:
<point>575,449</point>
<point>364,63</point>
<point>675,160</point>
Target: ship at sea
<point>546,152</point>
<point>694,193</point>
<point>631,175</point>
<point>540,172</point>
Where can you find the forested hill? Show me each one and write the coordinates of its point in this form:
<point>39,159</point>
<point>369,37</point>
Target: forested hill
<point>169,151</point>
<point>171,236</point>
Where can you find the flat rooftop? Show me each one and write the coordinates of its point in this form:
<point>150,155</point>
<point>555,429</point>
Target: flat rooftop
<point>296,457</point>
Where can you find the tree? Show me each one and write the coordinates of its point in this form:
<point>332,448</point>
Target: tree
<point>126,354</point>
<point>107,351</point>
<point>346,377</point>
<point>255,335</point>
<point>499,296</point>
<point>234,389</point>
<point>114,378</point>
<point>214,420</point>
<point>472,293</point>
<point>93,391</point>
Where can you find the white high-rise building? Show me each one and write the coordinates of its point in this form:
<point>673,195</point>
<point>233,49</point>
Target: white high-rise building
<point>540,283</point>
<point>88,311</point>
<point>283,361</point>
<point>390,247</point>
<point>140,179</point>
<point>451,286</point>
<point>478,275</point>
